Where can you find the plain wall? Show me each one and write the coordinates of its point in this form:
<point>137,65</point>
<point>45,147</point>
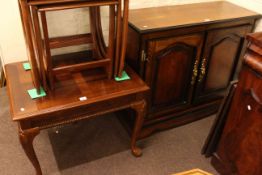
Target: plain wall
<point>12,45</point>
<point>254,5</point>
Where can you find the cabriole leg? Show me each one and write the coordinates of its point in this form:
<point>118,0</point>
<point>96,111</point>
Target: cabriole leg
<point>26,138</point>
<point>140,114</point>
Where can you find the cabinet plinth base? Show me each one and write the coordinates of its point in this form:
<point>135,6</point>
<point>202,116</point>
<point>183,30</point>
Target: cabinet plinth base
<point>173,120</point>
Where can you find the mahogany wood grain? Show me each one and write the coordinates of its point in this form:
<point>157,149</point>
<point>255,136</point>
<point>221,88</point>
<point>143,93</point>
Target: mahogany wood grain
<point>124,39</point>
<point>193,77</point>
<point>63,106</point>
<point>39,46</point>
<point>140,112</point>
<point>43,2</point>
<point>111,40</point>
<point>216,130</point>
<point>159,18</point>
<point>219,60</point>
<point>70,40</point>
<point>255,43</point>
<point>40,53</point>
<point>96,30</point>
<point>28,34</point>
<point>47,51</point>
<point>67,92</point>
<point>73,5</point>
<point>253,60</point>
<point>82,66</point>
<point>256,39</point>
<point>255,48</point>
<point>99,31</point>
<point>26,139</point>
<point>118,38</point>
<point>239,149</point>
<point>170,119</point>
<point>170,69</point>
<point>132,53</point>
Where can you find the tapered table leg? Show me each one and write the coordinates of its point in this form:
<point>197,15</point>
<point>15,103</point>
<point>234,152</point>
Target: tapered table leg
<point>26,138</point>
<point>140,113</point>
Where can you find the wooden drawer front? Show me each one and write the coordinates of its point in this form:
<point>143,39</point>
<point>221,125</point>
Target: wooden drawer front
<point>169,69</point>
<point>219,61</point>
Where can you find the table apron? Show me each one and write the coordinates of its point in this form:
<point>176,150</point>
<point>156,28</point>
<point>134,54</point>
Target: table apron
<point>68,116</point>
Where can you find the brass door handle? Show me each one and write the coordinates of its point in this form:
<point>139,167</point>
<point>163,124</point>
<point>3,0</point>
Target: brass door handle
<point>195,72</point>
<point>144,57</point>
<point>202,70</point>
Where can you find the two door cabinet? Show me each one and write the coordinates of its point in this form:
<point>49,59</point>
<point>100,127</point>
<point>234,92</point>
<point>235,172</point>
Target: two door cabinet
<point>188,57</point>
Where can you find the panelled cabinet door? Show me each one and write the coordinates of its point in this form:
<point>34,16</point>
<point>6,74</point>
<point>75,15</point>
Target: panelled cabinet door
<point>220,57</point>
<point>171,70</point>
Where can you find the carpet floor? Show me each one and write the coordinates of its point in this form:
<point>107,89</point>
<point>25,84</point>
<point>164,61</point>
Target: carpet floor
<point>101,147</point>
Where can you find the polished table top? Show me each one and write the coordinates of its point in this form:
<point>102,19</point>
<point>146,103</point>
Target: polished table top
<point>186,15</point>
<point>66,94</point>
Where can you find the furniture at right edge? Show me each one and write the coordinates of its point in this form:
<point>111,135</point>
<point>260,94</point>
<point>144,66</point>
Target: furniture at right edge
<point>239,148</point>
<point>187,54</point>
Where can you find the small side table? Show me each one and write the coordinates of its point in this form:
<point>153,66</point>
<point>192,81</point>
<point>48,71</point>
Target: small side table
<point>74,99</point>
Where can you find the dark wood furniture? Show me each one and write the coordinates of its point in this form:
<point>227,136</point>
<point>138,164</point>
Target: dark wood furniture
<point>239,148</point>
<point>187,54</point>
<point>215,133</point>
<point>46,67</point>
<point>73,99</point>
<point>2,75</point>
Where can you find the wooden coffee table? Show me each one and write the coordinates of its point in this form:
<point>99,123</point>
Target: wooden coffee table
<point>74,99</point>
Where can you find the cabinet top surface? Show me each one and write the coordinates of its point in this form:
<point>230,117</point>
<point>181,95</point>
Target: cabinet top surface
<point>189,14</point>
<point>67,93</point>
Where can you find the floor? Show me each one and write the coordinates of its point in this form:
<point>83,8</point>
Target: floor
<point>101,147</point>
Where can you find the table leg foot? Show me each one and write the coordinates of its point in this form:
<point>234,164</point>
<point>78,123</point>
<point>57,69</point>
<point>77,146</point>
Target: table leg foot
<point>26,138</point>
<point>137,152</point>
<point>140,113</point>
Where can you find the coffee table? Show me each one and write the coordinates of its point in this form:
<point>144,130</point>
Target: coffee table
<point>74,99</point>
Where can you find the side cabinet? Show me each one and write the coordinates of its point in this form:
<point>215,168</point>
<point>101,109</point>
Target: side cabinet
<point>187,57</point>
<point>239,147</point>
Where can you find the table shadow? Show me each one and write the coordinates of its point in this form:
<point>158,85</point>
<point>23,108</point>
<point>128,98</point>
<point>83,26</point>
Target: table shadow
<point>88,140</point>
